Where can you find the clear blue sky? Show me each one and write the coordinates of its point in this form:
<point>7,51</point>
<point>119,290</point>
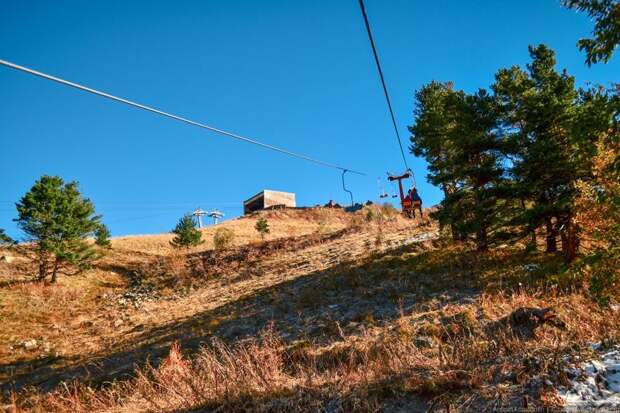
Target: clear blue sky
<point>297,74</point>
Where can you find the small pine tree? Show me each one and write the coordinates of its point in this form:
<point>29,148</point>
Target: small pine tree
<point>5,240</point>
<point>187,235</point>
<point>262,227</point>
<point>58,220</point>
<point>102,237</point>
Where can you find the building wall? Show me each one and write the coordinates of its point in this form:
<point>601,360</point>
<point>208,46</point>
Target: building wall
<point>273,198</point>
<point>267,199</point>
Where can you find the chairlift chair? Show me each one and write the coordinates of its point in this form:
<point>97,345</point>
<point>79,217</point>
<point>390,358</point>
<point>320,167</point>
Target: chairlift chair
<point>382,193</point>
<point>410,202</point>
<point>393,191</point>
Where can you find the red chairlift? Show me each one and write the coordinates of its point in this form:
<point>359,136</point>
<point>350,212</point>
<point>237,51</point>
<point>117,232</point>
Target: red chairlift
<point>412,200</point>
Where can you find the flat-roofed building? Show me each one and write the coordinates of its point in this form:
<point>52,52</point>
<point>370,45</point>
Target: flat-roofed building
<point>269,199</point>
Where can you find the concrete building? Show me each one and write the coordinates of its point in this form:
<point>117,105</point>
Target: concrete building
<point>269,199</point>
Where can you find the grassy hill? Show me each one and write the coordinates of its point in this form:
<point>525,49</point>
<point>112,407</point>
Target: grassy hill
<point>333,312</point>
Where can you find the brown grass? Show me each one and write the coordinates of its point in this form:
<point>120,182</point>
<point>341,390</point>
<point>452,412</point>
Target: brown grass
<point>418,328</point>
<point>76,321</point>
<point>282,223</point>
<point>470,372</point>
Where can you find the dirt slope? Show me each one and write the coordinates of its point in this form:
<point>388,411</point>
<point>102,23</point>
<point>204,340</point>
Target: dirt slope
<point>142,296</point>
<point>364,312</point>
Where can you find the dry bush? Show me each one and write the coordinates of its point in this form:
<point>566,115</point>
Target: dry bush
<point>223,238</point>
<point>176,263</point>
<point>218,375</point>
<point>322,228</point>
<point>356,222</point>
<point>598,214</point>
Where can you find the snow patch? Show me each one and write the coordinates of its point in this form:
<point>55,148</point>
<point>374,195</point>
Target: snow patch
<point>425,236</point>
<point>594,384</point>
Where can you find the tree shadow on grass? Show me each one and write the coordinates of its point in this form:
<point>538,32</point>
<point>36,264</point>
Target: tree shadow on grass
<point>318,307</point>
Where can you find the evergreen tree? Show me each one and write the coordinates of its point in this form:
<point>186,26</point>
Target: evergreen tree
<point>539,115</point>
<point>102,237</point>
<point>435,118</point>
<point>262,227</point>
<point>57,219</point>
<point>509,163</point>
<point>478,170</point>
<point>5,239</point>
<point>187,235</point>
<point>606,16</point>
<point>456,133</point>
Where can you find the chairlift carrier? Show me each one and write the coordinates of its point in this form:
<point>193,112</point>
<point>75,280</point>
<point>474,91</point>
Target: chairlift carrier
<point>410,202</point>
<point>382,193</point>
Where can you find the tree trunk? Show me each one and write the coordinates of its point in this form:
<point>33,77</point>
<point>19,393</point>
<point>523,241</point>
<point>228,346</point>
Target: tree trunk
<point>570,239</point>
<point>456,235</point>
<point>552,245</point>
<point>42,265</point>
<point>533,241</point>
<point>482,240</point>
<point>55,270</point>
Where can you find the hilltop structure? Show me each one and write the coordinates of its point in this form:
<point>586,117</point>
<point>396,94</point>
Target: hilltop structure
<point>268,199</point>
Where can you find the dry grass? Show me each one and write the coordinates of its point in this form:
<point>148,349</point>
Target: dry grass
<point>282,223</point>
<point>48,313</point>
<point>412,328</point>
<point>76,321</point>
<point>471,372</point>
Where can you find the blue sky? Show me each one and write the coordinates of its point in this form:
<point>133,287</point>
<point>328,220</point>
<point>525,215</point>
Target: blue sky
<point>297,74</point>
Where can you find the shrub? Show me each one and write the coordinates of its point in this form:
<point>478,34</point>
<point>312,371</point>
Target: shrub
<point>356,222</point>
<point>371,214</point>
<point>322,228</point>
<point>223,238</point>
<point>598,210</point>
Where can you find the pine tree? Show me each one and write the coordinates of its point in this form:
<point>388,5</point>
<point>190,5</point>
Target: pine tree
<point>456,133</point>
<point>102,237</point>
<point>58,220</point>
<point>435,117</point>
<point>187,235</point>
<point>262,227</point>
<point>540,114</point>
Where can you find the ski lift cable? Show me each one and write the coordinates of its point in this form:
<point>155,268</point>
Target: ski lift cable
<point>385,90</point>
<point>176,117</point>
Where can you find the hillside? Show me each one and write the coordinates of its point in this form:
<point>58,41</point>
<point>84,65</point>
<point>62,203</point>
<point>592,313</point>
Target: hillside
<point>334,311</point>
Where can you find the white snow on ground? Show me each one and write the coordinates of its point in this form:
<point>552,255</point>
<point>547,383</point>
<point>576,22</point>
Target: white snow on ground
<point>424,236</point>
<point>595,385</point>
